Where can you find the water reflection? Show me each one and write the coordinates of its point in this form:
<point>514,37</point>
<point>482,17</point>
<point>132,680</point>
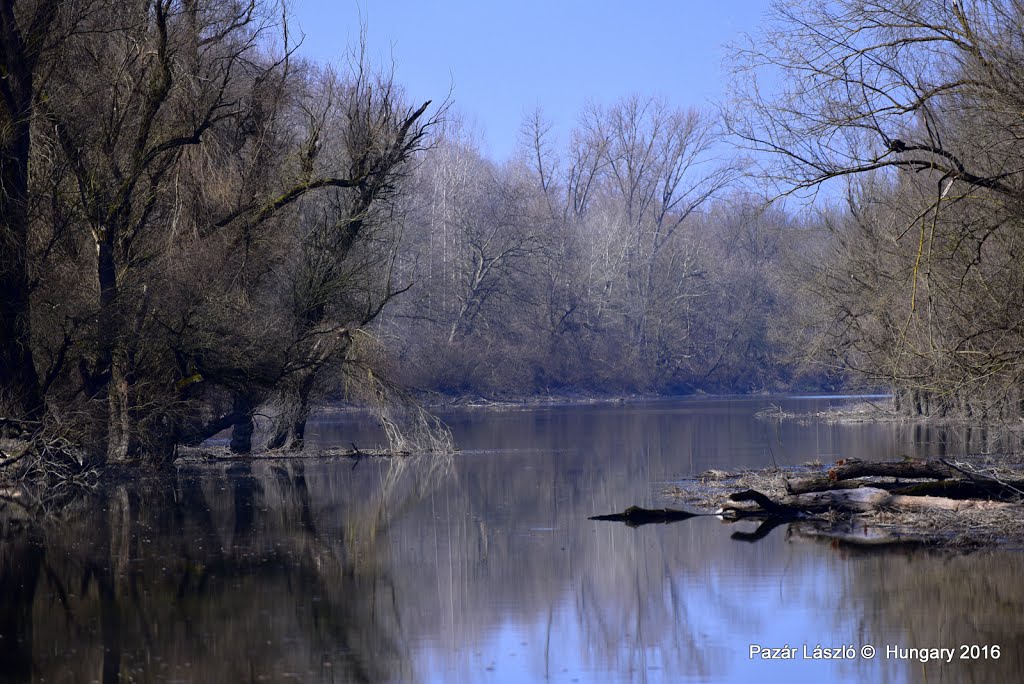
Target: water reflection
<point>487,570</point>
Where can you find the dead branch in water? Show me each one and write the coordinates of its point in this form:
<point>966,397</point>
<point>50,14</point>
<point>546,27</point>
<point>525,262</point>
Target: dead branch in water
<point>634,516</point>
<point>872,503</point>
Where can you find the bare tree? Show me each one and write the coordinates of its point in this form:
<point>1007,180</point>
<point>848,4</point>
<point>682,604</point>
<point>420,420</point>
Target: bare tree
<point>915,96</point>
<point>659,168</point>
<point>345,274</point>
<point>198,221</point>
<point>871,85</point>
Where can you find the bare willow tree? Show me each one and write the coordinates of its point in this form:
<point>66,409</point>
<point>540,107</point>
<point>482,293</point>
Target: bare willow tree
<point>345,272</point>
<point>197,219</point>
<point>912,102</point>
<point>156,80</point>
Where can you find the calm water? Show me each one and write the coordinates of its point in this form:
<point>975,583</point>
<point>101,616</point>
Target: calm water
<point>487,569</point>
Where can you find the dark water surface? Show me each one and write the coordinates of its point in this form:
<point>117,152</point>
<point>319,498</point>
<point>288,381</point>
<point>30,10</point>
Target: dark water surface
<point>487,569</point>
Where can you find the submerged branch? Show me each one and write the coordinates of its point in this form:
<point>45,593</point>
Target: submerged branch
<point>635,516</point>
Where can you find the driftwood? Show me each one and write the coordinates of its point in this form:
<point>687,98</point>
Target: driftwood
<point>961,489</point>
<point>852,468</point>
<point>853,488</point>
<point>868,499</point>
<point>761,505</point>
<point>952,481</point>
<point>843,489</point>
<point>634,516</point>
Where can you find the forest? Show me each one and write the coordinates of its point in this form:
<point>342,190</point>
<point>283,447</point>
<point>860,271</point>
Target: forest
<point>202,230</point>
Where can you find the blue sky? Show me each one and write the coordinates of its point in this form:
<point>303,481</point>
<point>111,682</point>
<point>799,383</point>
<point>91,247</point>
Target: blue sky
<point>503,59</point>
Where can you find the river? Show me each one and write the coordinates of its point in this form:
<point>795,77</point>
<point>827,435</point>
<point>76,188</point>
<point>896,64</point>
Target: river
<point>485,567</point>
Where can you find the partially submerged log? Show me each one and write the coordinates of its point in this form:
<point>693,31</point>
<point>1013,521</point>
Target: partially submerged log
<point>849,469</point>
<point>634,516</point>
<point>869,499</point>
<point>953,481</point>
<point>762,502</point>
<point>852,488</point>
<point>840,504</point>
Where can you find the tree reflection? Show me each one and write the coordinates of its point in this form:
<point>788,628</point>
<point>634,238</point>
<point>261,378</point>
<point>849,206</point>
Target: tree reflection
<point>414,571</point>
<point>232,574</point>
<point>20,566</point>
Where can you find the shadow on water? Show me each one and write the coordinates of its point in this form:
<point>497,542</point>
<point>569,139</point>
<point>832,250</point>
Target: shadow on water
<point>487,570</point>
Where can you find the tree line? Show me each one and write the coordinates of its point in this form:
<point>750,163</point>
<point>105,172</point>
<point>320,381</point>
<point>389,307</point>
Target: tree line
<point>201,229</point>
<point>627,259</point>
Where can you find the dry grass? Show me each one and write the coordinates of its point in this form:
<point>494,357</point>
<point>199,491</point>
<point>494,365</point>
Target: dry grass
<point>861,412</point>
<point>710,489</point>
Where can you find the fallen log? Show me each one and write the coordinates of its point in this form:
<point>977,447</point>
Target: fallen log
<point>634,516</point>
<point>951,481</point>
<point>962,489</point>
<point>857,489</point>
<point>854,468</point>
<point>869,499</point>
<point>763,502</point>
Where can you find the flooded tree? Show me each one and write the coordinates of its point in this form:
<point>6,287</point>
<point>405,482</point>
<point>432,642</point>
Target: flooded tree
<point>207,239</point>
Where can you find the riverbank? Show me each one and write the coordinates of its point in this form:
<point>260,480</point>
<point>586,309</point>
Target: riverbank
<point>437,400</point>
<point>878,411</point>
<point>882,409</point>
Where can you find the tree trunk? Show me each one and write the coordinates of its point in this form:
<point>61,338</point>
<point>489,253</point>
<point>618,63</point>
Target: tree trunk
<point>119,420</point>
<point>751,503</point>
<point>113,363</point>
<point>279,439</point>
<point>298,441</point>
<point>299,424</point>
<point>867,499</point>
<point>244,425</point>
<point>20,395</point>
<point>852,468</point>
<point>292,428</point>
